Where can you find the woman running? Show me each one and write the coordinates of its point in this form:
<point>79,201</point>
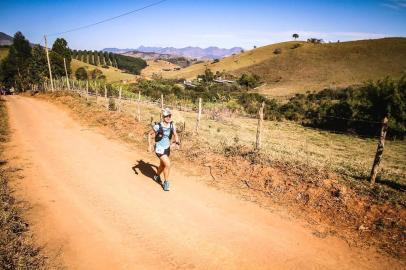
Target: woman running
<point>163,132</point>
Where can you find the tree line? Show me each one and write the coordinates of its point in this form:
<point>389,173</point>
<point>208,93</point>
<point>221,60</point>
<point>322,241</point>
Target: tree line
<point>129,64</point>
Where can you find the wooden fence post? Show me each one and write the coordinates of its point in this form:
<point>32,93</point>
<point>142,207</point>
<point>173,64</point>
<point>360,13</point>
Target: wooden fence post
<point>379,151</point>
<point>259,128</point>
<point>87,90</point>
<point>119,98</point>
<point>139,105</point>
<point>66,74</point>
<point>199,114</point>
<point>97,91</point>
<point>105,96</point>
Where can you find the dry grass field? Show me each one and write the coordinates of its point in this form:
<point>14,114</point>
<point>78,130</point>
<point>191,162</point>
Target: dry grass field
<point>311,66</point>
<point>112,74</point>
<point>157,67</point>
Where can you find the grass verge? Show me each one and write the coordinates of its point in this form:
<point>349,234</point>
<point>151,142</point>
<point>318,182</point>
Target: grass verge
<point>17,248</point>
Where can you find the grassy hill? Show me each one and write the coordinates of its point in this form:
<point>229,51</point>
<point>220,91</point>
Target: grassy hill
<point>308,66</point>
<point>112,74</point>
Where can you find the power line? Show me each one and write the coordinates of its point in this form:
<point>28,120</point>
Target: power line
<point>108,19</point>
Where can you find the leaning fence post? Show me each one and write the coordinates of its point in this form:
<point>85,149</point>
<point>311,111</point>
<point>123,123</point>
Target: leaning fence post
<point>259,128</point>
<point>66,73</point>
<point>379,151</point>
<point>97,91</point>
<point>199,113</point>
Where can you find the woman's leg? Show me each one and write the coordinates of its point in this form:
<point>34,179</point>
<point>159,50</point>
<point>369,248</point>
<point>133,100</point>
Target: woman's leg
<point>160,168</point>
<point>166,166</point>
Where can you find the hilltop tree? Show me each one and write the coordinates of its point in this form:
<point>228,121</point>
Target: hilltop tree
<point>295,36</point>
<point>15,67</point>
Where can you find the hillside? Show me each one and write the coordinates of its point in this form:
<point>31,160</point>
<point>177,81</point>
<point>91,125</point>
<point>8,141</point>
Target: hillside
<point>132,65</point>
<point>311,66</point>
<point>158,67</point>
<point>112,74</point>
<point>5,40</point>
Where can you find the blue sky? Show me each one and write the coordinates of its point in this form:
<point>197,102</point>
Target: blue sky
<point>203,23</point>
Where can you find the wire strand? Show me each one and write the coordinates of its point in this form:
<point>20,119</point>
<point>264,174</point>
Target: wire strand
<point>108,19</point>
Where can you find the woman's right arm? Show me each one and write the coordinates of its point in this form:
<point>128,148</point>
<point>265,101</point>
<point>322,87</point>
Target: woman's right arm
<point>150,144</point>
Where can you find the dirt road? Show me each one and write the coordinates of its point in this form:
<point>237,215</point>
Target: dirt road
<point>98,212</point>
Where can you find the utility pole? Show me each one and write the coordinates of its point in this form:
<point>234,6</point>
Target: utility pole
<point>49,63</point>
<point>66,73</point>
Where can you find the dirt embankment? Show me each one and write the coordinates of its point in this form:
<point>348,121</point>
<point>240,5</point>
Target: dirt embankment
<point>331,207</point>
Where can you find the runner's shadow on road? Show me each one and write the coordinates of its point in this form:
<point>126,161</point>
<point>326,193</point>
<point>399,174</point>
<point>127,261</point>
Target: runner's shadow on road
<point>147,169</point>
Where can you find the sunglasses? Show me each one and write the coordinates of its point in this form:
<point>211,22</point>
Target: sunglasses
<point>169,115</point>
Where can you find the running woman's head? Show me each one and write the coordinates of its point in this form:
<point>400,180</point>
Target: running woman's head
<point>167,115</point>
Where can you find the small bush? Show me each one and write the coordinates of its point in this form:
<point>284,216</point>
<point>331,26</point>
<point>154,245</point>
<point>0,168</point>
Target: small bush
<point>112,104</point>
<point>81,74</point>
<point>295,46</point>
<point>277,51</point>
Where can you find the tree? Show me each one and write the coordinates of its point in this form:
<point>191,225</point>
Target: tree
<point>81,74</point>
<point>96,58</point>
<point>60,50</point>
<point>57,65</point>
<point>15,67</point>
<point>249,81</point>
<point>207,77</point>
<point>295,36</point>
<point>38,66</point>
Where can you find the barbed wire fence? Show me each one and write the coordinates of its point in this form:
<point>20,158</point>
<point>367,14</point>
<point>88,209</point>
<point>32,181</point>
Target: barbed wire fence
<point>263,136</point>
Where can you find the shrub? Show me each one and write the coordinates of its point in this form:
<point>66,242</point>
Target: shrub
<point>296,45</point>
<point>112,104</point>
<point>249,80</point>
<point>96,73</point>
<point>81,74</point>
<point>277,51</point>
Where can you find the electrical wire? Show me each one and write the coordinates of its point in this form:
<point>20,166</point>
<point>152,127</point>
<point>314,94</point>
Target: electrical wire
<point>108,19</point>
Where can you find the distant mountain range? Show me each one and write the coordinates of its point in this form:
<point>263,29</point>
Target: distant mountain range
<point>5,40</point>
<point>190,52</point>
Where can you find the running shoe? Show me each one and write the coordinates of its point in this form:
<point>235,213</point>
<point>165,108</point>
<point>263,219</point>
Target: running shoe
<point>157,179</point>
<point>166,185</point>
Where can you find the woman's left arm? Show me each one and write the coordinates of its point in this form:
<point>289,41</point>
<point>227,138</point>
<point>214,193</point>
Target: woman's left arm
<point>176,135</point>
